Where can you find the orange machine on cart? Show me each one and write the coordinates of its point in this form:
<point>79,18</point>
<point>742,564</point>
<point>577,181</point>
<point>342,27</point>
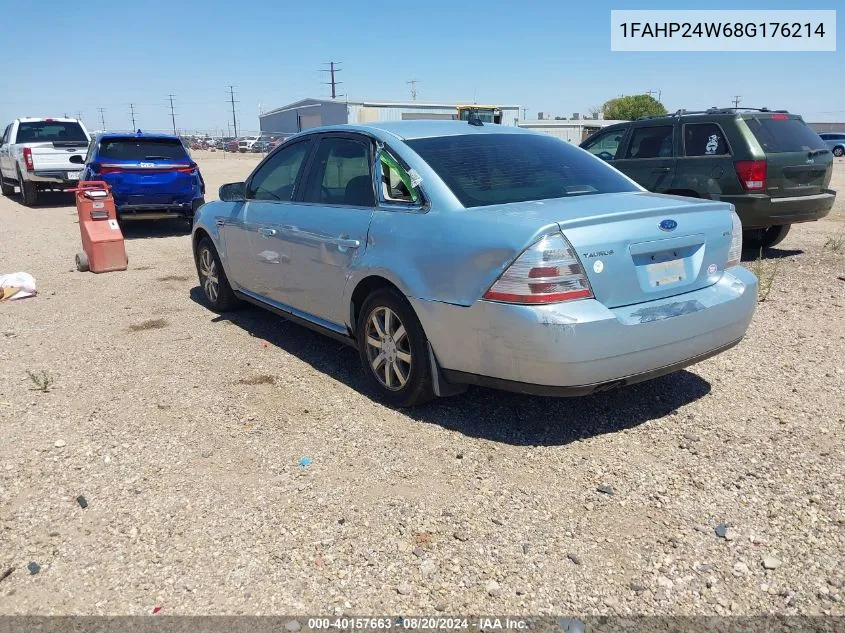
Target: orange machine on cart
<point>102,240</point>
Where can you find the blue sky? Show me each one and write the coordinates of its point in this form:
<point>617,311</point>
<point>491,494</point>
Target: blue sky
<point>550,56</point>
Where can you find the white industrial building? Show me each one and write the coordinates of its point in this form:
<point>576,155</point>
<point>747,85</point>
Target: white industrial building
<point>309,113</point>
<point>572,130</point>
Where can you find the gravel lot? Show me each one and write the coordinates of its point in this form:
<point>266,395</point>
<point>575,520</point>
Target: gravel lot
<point>185,440</point>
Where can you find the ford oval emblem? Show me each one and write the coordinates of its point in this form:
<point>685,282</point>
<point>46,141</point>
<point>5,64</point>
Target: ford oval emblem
<point>668,225</point>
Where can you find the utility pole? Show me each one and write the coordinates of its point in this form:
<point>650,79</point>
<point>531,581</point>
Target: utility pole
<point>172,114</point>
<point>333,69</point>
<point>524,113</point>
<point>103,118</point>
<point>737,99</point>
<point>413,83</point>
<point>132,114</point>
<point>234,117</point>
<point>657,92</point>
<point>78,115</point>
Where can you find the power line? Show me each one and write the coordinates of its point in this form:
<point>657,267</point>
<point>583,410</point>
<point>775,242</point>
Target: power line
<point>657,92</point>
<point>132,114</point>
<point>172,114</point>
<point>332,69</point>
<point>234,116</point>
<point>413,83</point>
<point>103,117</point>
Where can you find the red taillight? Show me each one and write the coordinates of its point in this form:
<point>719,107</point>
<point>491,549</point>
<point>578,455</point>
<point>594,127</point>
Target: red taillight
<point>27,158</point>
<point>752,174</point>
<point>190,169</point>
<point>780,117</point>
<point>547,272</point>
<point>110,170</point>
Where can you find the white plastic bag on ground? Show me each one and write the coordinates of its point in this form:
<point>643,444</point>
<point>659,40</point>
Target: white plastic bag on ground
<point>23,282</point>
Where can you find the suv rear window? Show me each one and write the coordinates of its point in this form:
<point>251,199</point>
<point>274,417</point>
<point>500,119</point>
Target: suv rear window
<point>486,169</point>
<point>50,131</point>
<point>142,149</point>
<point>784,134</point>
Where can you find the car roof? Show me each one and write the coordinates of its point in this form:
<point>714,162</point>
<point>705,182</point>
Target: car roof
<point>143,135</point>
<point>409,130</point>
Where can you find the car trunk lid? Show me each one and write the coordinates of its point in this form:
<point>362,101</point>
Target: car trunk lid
<point>56,155</point>
<point>798,163</point>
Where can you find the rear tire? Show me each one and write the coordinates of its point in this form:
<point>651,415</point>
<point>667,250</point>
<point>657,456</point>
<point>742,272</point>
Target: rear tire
<point>394,350</point>
<point>213,281</point>
<point>5,188</point>
<point>82,262</point>
<point>756,239</point>
<point>838,152</point>
<point>29,194</point>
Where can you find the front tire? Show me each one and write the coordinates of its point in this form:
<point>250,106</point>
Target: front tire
<point>756,239</point>
<point>213,281</point>
<point>838,152</point>
<point>394,350</point>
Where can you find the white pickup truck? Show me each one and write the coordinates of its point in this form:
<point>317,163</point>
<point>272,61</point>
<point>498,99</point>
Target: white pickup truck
<point>35,155</point>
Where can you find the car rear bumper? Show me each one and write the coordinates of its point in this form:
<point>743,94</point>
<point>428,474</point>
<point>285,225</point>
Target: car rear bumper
<point>52,176</point>
<point>580,347</point>
<point>760,210</point>
<point>139,209</point>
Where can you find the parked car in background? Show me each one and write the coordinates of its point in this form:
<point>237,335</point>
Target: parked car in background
<point>220,144</point>
<point>151,175</point>
<point>770,165</point>
<point>233,145</point>
<point>275,143</point>
<point>260,146</point>
<point>451,254</point>
<point>246,143</point>
<point>35,155</point>
<point>835,141</point>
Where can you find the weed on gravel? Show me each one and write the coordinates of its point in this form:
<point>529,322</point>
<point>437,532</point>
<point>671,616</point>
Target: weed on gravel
<point>42,380</point>
<point>766,273</point>
<point>260,379</point>
<point>835,244</point>
<point>174,278</point>
<point>151,324</point>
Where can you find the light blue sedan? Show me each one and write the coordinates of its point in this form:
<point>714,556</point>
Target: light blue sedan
<point>835,141</point>
<point>454,253</point>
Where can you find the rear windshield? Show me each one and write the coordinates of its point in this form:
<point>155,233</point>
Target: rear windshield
<point>142,149</point>
<point>784,135</point>
<point>485,169</point>
<point>49,131</point>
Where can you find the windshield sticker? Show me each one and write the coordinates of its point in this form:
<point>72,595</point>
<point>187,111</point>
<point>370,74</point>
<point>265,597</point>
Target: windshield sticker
<point>416,179</point>
<point>712,144</point>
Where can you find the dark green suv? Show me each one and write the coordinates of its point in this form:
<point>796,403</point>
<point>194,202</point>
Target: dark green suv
<point>769,164</point>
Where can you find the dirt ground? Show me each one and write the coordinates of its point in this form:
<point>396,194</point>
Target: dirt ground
<point>184,432</point>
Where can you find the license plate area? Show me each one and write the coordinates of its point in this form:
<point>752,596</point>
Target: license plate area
<point>665,273</point>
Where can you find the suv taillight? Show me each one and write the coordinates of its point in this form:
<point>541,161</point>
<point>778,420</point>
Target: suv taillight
<point>752,174</point>
<point>27,158</point>
<point>548,271</point>
<point>735,251</point>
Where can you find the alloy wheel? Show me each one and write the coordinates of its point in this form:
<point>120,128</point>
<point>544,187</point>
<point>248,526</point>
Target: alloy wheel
<point>208,271</point>
<point>388,348</point>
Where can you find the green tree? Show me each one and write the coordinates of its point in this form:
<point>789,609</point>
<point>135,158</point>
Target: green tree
<point>632,107</point>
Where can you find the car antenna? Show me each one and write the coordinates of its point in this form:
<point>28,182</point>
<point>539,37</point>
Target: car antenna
<point>474,119</point>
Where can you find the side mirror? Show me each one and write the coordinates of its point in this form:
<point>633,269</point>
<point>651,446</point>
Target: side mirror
<point>233,192</point>
<point>76,159</point>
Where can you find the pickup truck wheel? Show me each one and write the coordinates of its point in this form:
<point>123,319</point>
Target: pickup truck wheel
<point>215,286</point>
<point>756,239</point>
<point>394,349</point>
<point>29,194</point>
<point>5,188</point>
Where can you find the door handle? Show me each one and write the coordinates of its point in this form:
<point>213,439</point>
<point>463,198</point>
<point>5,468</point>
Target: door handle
<point>266,232</point>
<point>347,242</point>
<point>660,170</point>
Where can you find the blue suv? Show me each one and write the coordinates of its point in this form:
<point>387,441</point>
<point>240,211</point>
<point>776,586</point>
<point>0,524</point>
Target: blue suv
<point>151,175</point>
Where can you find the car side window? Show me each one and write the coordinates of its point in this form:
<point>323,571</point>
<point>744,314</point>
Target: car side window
<point>340,174</point>
<point>5,138</point>
<point>275,179</point>
<point>396,183</point>
<point>704,139</point>
<point>605,145</point>
<point>651,142</point>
